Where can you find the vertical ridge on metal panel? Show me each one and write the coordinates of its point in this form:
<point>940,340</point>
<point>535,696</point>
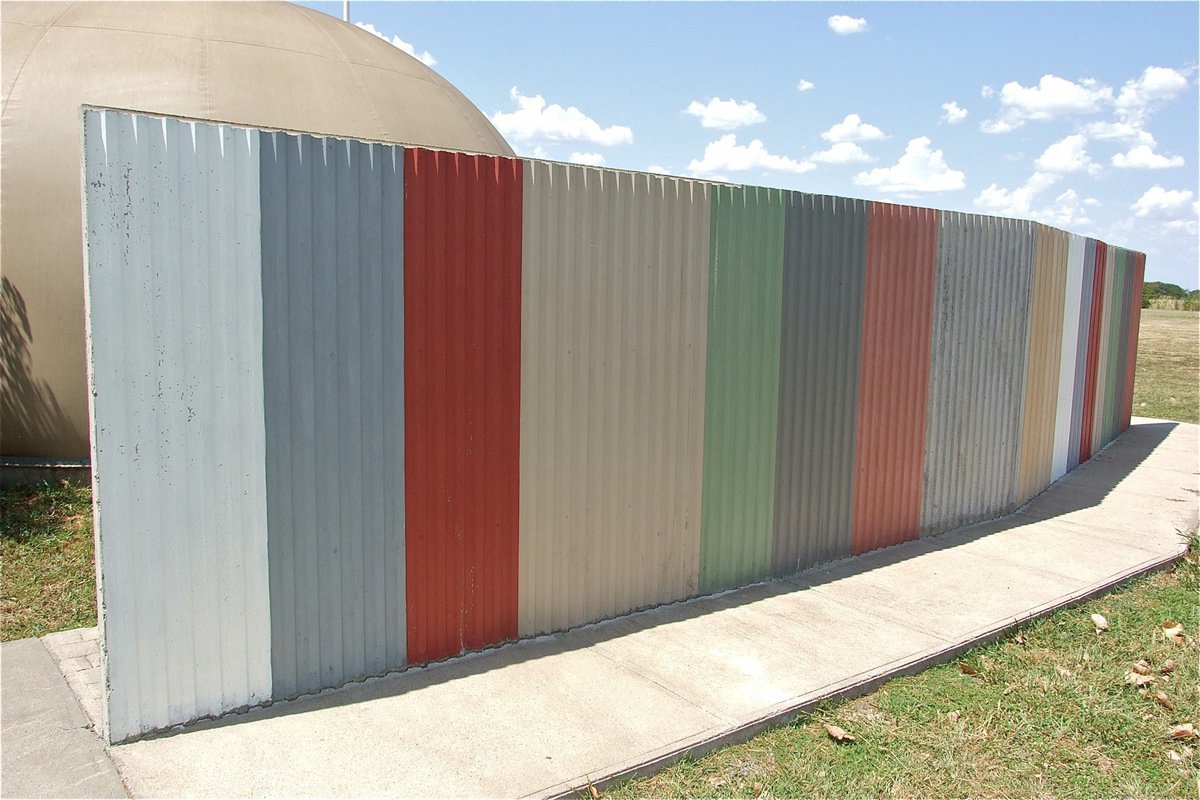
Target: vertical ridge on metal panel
<point>1079,400</point>
<point>1104,354</point>
<point>1137,281</point>
<point>1068,357</point>
<point>615,292</point>
<point>741,385</point>
<point>175,344</point>
<point>1096,312</point>
<point>1042,361</point>
<point>1118,342</point>
<point>333,323</point>
<point>977,370</point>
<point>894,375</point>
<point>825,242</point>
<point>462,368</point>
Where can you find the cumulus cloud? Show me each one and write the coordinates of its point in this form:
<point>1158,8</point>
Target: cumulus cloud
<point>425,57</point>
<point>1068,154</point>
<point>842,153</point>
<point>658,169</point>
<point>1158,203</point>
<point>1051,97</point>
<point>726,155</point>
<point>920,169</point>
<point>844,25</point>
<point>725,114</point>
<point>1068,210</point>
<point>852,129</point>
<point>953,113</point>
<point>587,159</point>
<point>536,122</point>
<point>1154,86</point>
<point>1143,156</point>
<point>1120,130</point>
<point>804,85</point>
<point>1015,202</point>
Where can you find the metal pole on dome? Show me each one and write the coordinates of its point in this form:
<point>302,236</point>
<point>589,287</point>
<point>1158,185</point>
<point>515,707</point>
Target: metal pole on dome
<point>345,10</point>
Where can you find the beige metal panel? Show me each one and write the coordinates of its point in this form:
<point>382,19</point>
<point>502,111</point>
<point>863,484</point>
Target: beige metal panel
<point>614,304</point>
<point>1043,360</point>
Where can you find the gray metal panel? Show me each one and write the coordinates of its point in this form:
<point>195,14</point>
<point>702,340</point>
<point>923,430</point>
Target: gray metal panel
<point>977,369</point>
<point>175,359</point>
<point>333,353</point>
<point>1079,390</point>
<point>824,273</point>
<point>1068,358</point>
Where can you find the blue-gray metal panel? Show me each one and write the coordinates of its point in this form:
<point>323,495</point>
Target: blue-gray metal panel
<point>824,277</point>
<point>175,365</point>
<point>1079,390</point>
<point>333,351</point>
<point>977,369</point>
<point>1068,358</point>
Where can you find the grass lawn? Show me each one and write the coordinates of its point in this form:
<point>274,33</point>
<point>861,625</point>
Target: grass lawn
<point>1167,366</point>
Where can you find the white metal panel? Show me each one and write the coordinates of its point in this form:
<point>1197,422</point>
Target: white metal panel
<point>175,367</point>
<point>1070,352</point>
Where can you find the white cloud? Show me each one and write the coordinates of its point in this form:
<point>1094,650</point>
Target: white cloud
<point>1015,202</point>
<point>1155,85</point>
<point>843,25</point>
<point>587,159</point>
<point>1120,131</point>
<point>658,169</point>
<point>725,114</point>
<point>852,129</point>
<point>920,169</point>
<point>1051,97</point>
<point>425,57</point>
<point>1142,156</point>
<point>804,85</point>
<point>953,113</point>
<point>726,155</point>
<point>1067,211</point>
<point>1068,154</point>
<point>987,92</point>
<point>535,122</point>
<point>1158,203</point>
<point>842,153</point>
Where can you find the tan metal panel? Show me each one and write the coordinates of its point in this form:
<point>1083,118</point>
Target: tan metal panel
<point>1042,360</point>
<point>615,297</point>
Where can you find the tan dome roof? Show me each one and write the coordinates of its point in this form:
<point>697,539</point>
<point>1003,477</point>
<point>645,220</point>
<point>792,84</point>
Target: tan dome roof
<point>273,65</point>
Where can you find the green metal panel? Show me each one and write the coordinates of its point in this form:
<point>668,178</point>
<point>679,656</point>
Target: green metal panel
<point>742,385</point>
<point>1116,333</point>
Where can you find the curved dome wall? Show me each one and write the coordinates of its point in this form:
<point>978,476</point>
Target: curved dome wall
<point>271,65</point>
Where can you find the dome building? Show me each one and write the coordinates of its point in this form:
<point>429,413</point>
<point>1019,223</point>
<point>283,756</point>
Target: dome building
<point>264,64</point>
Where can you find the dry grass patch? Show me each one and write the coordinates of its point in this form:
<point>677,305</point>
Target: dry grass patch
<point>1168,366</point>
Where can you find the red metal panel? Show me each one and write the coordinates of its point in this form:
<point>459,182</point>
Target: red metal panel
<point>1136,280</point>
<point>894,375</point>
<point>462,397</point>
<point>1093,354</point>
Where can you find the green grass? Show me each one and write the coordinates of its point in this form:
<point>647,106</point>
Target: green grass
<point>47,570</point>
<point>1168,366</point>
<point>1049,714</point>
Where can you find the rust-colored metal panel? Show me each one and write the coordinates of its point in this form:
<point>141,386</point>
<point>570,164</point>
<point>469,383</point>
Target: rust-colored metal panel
<point>1137,281</point>
<point>615,295</point>
<point>894,374</point>
<point>462,396</point>
<point>1086,439</point>
<point>1042,360</point>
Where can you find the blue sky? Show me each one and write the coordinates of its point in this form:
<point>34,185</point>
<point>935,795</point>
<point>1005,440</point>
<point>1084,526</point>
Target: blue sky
<point>1081,115</point>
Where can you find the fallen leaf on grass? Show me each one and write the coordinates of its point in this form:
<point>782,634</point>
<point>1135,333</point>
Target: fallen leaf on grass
<point>967,669</point>
<point>1168,666</point>
<point>837,734</point>
<point>1184,731</point>
<point>1164,701</point>
<point>1146,717</point>
<point>1019,638</point>
<point>593,791</point>
<point>953,715</point>
<point>1142,667</point>
<point>1063,671</point>
<point>1135,679</point>
<point>1100,622</point>
<point>1087,656</point>
<point>1173,631</point>
<point>758,789</point>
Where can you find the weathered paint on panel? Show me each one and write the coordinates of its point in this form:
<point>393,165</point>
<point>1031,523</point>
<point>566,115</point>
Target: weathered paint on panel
<point>1079,400</point>
<point>977,372</point>
<point>1137,281</point>
<point>333,347</point>
<point>613,372</point>
<point>894,374</point>
<point>1042,356</point>
<point>823,278</point>
<point>1086,440</point>
<point>1068,357</point>
<point>175,364</point>
<point>462,368</point>
<point>742,385</point>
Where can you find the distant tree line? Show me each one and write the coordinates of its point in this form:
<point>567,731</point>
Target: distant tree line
<point>1157,294</point>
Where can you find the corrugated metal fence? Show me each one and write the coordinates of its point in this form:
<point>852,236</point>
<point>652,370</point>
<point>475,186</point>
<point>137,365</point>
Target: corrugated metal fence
<point>360,406</point>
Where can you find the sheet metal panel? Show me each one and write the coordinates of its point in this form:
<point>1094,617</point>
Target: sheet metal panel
<point>613,373</point>
<point>894,375</point>
<point>741,385</point>
<point>462,373</point>
<point>1121,313</point>
<point>823,280</point>
<point>333,358</point>
<point>1068,356</point>
<point>977,372</point>
<point>175,366</point>
<point>1096,312</point>
<point>1136,284</point>
<point>1079,400</point>
<point>1104,351</point>
<point>1043,355</point>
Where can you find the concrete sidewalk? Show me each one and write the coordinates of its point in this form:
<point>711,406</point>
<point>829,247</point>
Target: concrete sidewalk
<point>546,716</point>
